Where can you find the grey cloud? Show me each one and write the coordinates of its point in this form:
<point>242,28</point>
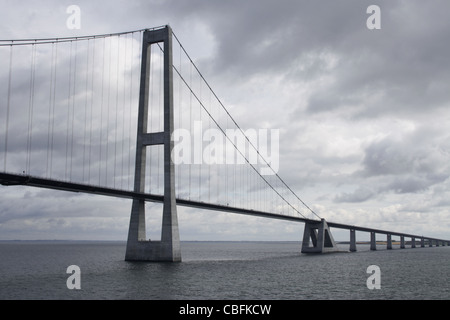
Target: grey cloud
<point>401,69</point>
<point>402,162</point>
<point>257,37</point>
<point>412,184</point>
<point>388,157</point>
<point>360,195</point>
<point>408,154</point>
<point>410,164</point>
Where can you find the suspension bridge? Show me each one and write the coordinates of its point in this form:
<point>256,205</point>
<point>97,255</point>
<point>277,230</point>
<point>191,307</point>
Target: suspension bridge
<point>71,108</point>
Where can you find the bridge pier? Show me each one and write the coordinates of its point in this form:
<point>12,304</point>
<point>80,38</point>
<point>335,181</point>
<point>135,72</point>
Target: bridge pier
<point>388,242</point>
<point>320,235</point>
<point>402,242</point>
<point>352,240</point>
<point>373,241</point>
<point>413,242</point>
<point>138,248</point>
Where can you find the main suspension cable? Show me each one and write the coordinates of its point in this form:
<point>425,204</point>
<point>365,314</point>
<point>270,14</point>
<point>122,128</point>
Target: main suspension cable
<point>240,129</point>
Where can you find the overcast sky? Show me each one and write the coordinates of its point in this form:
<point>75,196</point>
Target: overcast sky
<point>363,114</point>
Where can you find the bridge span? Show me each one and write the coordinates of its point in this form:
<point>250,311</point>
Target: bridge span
<point>312,243</point>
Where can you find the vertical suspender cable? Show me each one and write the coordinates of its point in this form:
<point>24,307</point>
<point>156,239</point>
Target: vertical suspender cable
<point>200,166</point>
<point>8,102</point>
<point>150,112</point>
<point>52,66</point>
<point>53,108</point>
<point>130,107</point>
<point>117,110</point>
<point>124,66</point>
<point>31,107</point>
<point>221,161</point>
<point>73,109</point>
<point>179,123</point>
<point>190,126</point>
<point>210,162</point>
<point>226,168</point>
<point>68,111</point>
<point>91,110</point>
<point>101,113</point>
<point>108,111</point>
<point>85,108</point>
<point>8,106</point>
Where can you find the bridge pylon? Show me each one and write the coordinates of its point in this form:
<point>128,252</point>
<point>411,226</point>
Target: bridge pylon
<point>138,247</point>
<point>319,235</point>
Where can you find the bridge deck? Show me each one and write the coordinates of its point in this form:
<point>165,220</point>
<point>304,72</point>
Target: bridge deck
<point>11,179</point>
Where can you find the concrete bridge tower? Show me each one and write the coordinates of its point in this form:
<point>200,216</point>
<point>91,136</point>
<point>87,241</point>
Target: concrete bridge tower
<point>138,247</point>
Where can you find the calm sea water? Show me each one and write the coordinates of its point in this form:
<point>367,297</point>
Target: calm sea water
<point>221,270</point>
